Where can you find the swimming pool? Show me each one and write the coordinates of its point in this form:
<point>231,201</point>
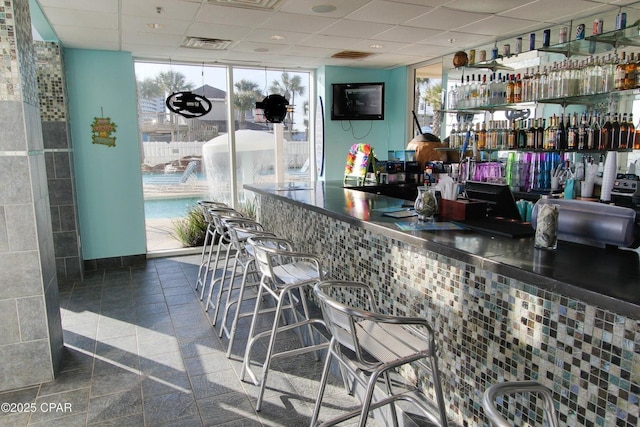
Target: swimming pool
<point>168,208</point>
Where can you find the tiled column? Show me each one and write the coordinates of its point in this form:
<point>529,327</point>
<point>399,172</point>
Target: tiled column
<point>58,154</point>
<point>31,332</point>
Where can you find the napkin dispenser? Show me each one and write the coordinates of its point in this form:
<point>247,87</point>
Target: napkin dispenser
<point>594,224</point>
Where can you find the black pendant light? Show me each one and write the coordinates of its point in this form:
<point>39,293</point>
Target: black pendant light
<point>274,108</point>
<point>188,104</point>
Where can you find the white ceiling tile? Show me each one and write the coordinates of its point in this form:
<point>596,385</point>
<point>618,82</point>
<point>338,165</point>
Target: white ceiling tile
<point>406,34</point>
<point>310,51</point>
<point>486,6</point>
<point>137,24</point>
<point>246,46</point>
<point>151,39</point>
<point>171,9</point>
<point>264,35</point>
<point>426,50</point>
<point>82,18</point>
<point>388,12</point>
<point>355,29</point>
<point>225,32</point>
<point>211,14</point>
<point>446,19</point>
<point>80,38</point>
<point>343,7</point>
<point>107,6</point>
<point>555,11</point>
<point>329,41</point>
<point>499,26</point>
<point>299,23</point>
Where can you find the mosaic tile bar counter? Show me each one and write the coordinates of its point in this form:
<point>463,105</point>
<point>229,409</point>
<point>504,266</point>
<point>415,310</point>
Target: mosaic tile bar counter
<point>491,328</point>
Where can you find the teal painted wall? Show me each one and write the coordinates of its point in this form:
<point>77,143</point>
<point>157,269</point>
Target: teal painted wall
<point>108,179</point>
<point>383,135</point>
<point>40,23</point>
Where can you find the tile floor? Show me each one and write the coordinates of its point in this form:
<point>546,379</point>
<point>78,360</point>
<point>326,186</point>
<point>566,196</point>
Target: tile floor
<point>140,351</point>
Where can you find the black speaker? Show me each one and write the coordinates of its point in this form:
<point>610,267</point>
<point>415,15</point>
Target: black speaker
<point>274,107</point>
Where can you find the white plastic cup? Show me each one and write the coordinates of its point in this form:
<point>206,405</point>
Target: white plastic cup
<point>586,188</point>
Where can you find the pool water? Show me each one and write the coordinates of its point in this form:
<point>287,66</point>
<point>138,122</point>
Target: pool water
<point>168,208</point>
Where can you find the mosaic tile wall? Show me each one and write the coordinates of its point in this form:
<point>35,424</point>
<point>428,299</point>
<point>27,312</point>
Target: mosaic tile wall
<point>19,81</point>
<point>59,160</point>
<point>490,328</point>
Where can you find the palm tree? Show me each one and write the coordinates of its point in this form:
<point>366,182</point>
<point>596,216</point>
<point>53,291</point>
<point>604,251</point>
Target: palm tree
<point>419,83</point>
<point>433,97</point>
<point>149,88</point>
<point>288,87</point>
<point>244,98</point>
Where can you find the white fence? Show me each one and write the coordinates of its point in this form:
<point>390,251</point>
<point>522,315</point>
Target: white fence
<point>157,152</point>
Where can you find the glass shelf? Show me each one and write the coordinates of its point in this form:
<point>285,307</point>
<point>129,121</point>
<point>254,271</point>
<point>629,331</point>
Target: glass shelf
<point>597,44</point>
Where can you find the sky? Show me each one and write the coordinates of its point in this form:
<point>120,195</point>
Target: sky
<point>200,75</point>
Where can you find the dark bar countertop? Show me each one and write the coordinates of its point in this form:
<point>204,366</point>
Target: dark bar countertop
<point>608,278</point>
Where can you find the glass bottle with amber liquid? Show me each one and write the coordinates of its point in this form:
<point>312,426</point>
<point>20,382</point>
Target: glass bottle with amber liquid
<point>593,133</point>
<point>606,130</point>
<point>512,136</point>
<point>510,97</point>
<point>482,136</point>
<point>572,133</point>
<point>624,133</point>
<point>531,134</point>
<point>549,143</point>
<point>631,134</point>
<point>620,72</point>
<point>615,133</point>
<point>636,137</point>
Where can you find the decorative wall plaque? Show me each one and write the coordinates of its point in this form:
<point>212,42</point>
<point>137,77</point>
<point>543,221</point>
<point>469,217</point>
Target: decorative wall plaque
<point>102,128</point>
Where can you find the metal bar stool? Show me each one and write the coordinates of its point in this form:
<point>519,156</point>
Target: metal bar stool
<point>498,391</point>
<point>369,345</point>
<point>223,244</point>
<point>238,231</point>
<point>209,239</point>
<point>283,272</point>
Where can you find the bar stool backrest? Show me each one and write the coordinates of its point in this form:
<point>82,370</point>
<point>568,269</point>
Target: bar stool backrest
<point>218,214</point>
<point>269,252</point>
<point>206,205</point>
<point>244,226</point>
<point>513,388</point>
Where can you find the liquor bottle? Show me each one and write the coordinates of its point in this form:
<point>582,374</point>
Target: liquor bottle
<point>543,84</point>
<point>605,134</point>
<point>561,134</point>
<point>636,137</point>
<point>631,134</point>
<point>593,133</point>
<point>517,89</point>
<point>526,86</point>
<point>624,133</point>
<point>615,133</point>
<point>630,73</point>
<point>620,72</point>
<point>522,134</point>
<point>481,134</point>
<point>483,95</point>
<point>539,135</point>
<point>582,133</point>
<point>473,92</point>
<point>511,136</point>
<point>549,143</point>
<point>510,96</point>
<point>531,134</point>
<point>492,136</point>
<point>534,91</point>
<point>572,133</point>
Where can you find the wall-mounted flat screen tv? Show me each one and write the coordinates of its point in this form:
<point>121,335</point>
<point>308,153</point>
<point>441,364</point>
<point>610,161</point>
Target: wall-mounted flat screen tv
<point>357,101</point>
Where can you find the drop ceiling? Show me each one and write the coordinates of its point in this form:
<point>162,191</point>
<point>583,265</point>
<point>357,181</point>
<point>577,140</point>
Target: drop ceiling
<point>289,33</point>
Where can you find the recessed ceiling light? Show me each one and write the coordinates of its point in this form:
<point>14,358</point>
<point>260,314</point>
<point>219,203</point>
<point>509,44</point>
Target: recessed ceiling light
<point>154,26</point>
<point>323,8</point>
<point>376,46</point>
<point>277,37</point>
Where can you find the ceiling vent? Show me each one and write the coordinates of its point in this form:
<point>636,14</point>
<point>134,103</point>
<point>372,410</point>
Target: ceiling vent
<point>205,43</point>
<point>351,54</point>
<point>252,4</point>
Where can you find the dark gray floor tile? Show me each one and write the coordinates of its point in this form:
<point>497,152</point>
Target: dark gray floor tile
<point>74,420</point>
<point>216,383</point>
<point>117,345</point>
<point>225,408</point>
<point>151,343</point>
<point>207,363</point>
<point>200,346</point>
<point>60,405</point>
<point>165,362</point>
<point>135,420</point>
<point>154,298</point>
<point>245,422</point>
<point>181,290</point>
<point>165,383</point>
<point>116,405</point>
<point>67,381</point>
<point>165,407</point>
<point>191,421</point>
<point>116,363</point>
<point>154,308</point>
<point>73,359</point>
<point>115,382</point>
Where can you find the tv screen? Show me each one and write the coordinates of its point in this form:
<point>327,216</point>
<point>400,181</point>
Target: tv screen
<point>357,101</point>
<point>500,200</point>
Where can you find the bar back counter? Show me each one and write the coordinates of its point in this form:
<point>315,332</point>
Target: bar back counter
<point>502,310</point>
